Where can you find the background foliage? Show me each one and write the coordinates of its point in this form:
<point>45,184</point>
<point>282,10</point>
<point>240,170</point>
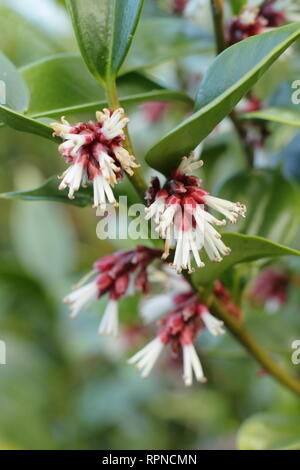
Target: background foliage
<point>64,387</point>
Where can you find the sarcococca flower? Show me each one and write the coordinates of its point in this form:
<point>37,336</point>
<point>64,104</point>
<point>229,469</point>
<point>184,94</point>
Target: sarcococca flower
<point>96,153</point>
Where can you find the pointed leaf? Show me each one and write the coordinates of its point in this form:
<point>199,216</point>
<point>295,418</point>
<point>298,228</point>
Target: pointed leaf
<point>281,115</point>
<point>84,196</point>
<point>244,248</point>
<point>228,79</point>
<point>62,85</point>
<point>17,99</point>
<point>13,89</point>
<point>49,192</point>
<point>104,31</point>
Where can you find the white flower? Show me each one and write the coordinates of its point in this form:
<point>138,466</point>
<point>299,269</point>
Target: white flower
<point>231,210</point>
<point>109,324</point>
<point>82,297</point>
<point>147,357</point>
<point>186,244</point>
<point>191,364</point>
<point>179,212</point>
<point>156,307</point>
<point>248,16</point>
<point>126,160</point>
<point>213,325</point>
<point>188,164</point>
<point>102,192</point>
<point>73,177</point>
<point>96,154</point>
<point>156,209</point>
<point>114,124</point>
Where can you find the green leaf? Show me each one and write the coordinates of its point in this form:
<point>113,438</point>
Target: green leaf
<point>25,124</point>
<point>281,115</point>
<point>14,89</point>
<point>17,99</point>
<point>49,192</point>
<point>158,40</point>
<point>272,204</point>
<point>237,5</point>
<point>104,31</point>
<point>228,79</point>
<point>62,84</point>
<point>270,431</point>
<point>244,248</point>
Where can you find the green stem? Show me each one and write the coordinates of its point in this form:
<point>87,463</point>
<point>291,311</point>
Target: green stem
<point>239,330</point>
<point>217,8</point>
<point>237,327</point>
<point>113,102</point>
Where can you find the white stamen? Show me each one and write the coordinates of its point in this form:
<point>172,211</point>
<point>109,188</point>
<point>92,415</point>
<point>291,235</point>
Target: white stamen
<point>229,209</point>
<point>102,192</point>
<point>110,321</point>
<point>191,363</point>
<point>147,357</point>
<point>212,324</point>
<point>72,178</point>
<point>81,298</point>
<point>127,161</point>
<point>156,307</point>
<point>112,125</point>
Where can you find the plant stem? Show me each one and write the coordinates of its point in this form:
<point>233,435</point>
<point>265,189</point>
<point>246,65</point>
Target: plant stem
<point>217,8</point>
<point>239,330</point>
<point>113,102</point>
<point>237,327</point>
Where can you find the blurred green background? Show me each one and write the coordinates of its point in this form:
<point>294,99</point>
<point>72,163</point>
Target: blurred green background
<point>64,387</point>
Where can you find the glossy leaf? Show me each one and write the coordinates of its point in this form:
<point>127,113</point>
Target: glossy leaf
<point>273,213</point>
<point>158,40</point>
<point>17,99</point>
<point>14,91</point>
<point>62,85</point>
<point>229,78</point>
<point>280,115</point>
<point>270,431</point>
<point>49,192</point>
<point>104,31</point>
<point>244,248</point>
<point>84,196</point>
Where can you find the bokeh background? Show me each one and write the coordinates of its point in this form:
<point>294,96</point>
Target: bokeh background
<point>64,387</point>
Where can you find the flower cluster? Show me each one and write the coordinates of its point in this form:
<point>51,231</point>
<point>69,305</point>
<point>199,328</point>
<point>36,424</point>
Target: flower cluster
<point>179,211</point>
<point>117,275</point>
<point>178,6</point>
<point>96,153</point>
<point>271,288</point>
<point>259,15</point>
<point>256,131</point>
<point>248,23</point>
<point>180,328</point>
<point>279,12</point>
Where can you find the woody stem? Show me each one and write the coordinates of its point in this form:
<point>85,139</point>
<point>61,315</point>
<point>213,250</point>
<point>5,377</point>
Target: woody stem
<point>113,102</point>
<point>217,8</point>
<point>237,327</point>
